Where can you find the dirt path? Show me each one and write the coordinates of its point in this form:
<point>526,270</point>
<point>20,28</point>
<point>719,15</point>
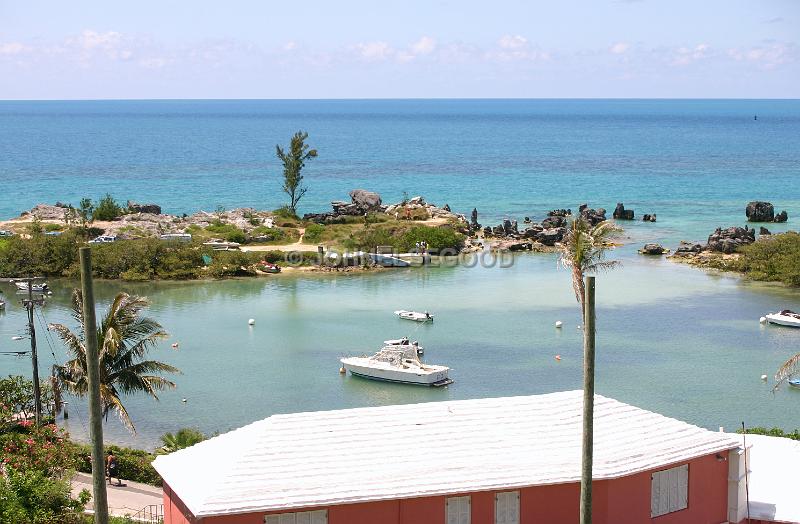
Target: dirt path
<point>297,246</point>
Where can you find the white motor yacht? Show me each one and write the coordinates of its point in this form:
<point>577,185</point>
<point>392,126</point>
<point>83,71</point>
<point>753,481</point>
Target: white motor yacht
<point>416,316</point>
<point>398,363</point>
<point>784,318</point>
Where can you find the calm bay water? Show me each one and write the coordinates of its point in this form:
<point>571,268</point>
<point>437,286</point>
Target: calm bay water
<point>671,338</point>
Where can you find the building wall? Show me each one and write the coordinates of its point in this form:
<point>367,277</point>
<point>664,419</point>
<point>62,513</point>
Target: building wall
<point>618,501</point>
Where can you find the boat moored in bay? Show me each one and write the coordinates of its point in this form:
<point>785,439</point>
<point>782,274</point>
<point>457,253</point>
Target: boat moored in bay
<point>398,363</point>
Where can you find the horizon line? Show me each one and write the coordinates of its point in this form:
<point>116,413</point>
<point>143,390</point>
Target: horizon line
<point>365,99</point>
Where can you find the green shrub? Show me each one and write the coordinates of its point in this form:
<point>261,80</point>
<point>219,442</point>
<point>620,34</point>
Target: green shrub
<point>313,233</point>
<point>285,212</point>
<point>107,209</point>
<point>133,464</point>
<point>229,232</point>
<point>437,238</point>
<point>232,264</point>
<point>39,255</point>
<point>775,258</point>
<point>53,227</point>
<point>32,497</point>
<point>772,432</point>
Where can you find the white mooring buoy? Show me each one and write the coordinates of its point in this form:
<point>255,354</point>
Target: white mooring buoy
<point>764,378</point>
<point>252,321</point>
<point>763,320</point>
<point>559,323</point>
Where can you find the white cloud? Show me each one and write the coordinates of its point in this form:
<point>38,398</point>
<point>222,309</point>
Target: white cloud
<point>767,56</point>
<point>424,46</point>
<point>512,42</point>
<point>686,55</point>
<point>290,45</point>
<point>154,62</point>
<point>89,39</point>
<point>12,48</point>
<point>619,48</point>
<point>374,51</point>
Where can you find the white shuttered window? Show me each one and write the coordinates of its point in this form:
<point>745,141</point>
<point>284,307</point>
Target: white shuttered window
<point>302,517</point>
<point>458,510</point>
<point>669,490</point>
<point>506,507</point>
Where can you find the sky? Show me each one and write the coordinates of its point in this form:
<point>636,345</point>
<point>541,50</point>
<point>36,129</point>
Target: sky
<point>96,49</point>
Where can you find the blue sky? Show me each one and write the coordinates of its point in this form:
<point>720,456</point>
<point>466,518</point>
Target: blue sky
<point>399,49</point>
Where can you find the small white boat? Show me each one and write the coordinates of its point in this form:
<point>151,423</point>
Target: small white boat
<point>397,363</point>
<point>104,239</point>
<point>36,288</point>
<point>404,342</point>
<point>794,382</point>
<point>784,318</point>
<point>414,315</point>
<point>2,305</point>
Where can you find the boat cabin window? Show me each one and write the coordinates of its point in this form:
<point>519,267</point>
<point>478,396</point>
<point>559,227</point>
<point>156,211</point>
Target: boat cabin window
<point>458,510</point>
<point>506,507</point>
<point>669,490</point>
<point>302,517</point>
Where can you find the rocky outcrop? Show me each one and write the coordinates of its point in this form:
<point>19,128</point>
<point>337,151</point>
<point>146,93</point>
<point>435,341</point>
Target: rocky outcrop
<point>782,217</point>
<point>593,216</point>
<point>730,239</point>
<point>152,209</point>
<point>554,221</point>
<point>760,212</point>
<point>688,249</point>
<point>653,249</point>
<point>763,231</point>
<point>549,237</point>
<point>473,220</point>
<point>560,213</point>
<point>649,218</point>
<point>47,212</point>
<point>620,213</point>
<point>366,200</point>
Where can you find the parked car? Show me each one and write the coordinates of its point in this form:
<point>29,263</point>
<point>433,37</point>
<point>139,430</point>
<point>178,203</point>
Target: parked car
<point>6,233</point>
<point>104,239</point>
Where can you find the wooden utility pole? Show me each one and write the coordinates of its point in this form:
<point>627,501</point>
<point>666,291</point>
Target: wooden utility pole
<point>30,304</point>
<point>588,403</point>
<point>100,501</point>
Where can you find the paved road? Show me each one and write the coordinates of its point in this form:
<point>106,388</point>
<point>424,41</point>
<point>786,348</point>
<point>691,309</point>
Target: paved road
<point>122,500</point>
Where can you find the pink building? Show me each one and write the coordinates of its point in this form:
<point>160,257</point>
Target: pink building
<point>509,460</point>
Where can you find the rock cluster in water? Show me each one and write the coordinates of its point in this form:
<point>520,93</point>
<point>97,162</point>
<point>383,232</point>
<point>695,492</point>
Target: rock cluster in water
<point>730,239</point>
<point>363,201</point>
<point>653,249</point>
<point>758,211</point>
<point>620,213</point>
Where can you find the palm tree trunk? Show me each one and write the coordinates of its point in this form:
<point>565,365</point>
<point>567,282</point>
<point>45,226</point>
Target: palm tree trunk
<point>95,408</point>
<point>588,403</point>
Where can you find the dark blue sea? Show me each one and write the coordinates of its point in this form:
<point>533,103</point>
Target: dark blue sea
<point>695,163</point>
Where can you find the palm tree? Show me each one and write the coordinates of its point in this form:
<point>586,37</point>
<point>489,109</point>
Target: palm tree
<point>583,251</point>
<point>124,338</point>
<point>183,438</point>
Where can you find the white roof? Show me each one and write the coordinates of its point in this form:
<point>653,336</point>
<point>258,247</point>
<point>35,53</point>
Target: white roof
<point>774,463</point>
<point>414,450</point>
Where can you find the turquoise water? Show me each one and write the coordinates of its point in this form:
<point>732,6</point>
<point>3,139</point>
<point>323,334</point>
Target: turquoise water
<point>695,163</point>
<point>670,338</point>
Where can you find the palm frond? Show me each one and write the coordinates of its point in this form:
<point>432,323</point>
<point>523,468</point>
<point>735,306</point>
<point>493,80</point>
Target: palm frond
<point>789,369</point>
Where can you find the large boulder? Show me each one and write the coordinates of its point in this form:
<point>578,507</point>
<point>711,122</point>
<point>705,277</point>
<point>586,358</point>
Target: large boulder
<point>649,218</point>
<point>653,249</point>
<point>760,212</point>
<point>782,217</point>
<point>593,216</point>
<point>620,213</point>
<point>48,212</point>
<point>559,213</point>
<point>366,200</point>
<point>687,248</point>
<point>730,239</point>
<point>554,221</point>
<point>134,207</point>
<point>549,237</point>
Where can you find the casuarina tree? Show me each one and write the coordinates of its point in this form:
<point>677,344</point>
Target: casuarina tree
<point>294,160</point>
